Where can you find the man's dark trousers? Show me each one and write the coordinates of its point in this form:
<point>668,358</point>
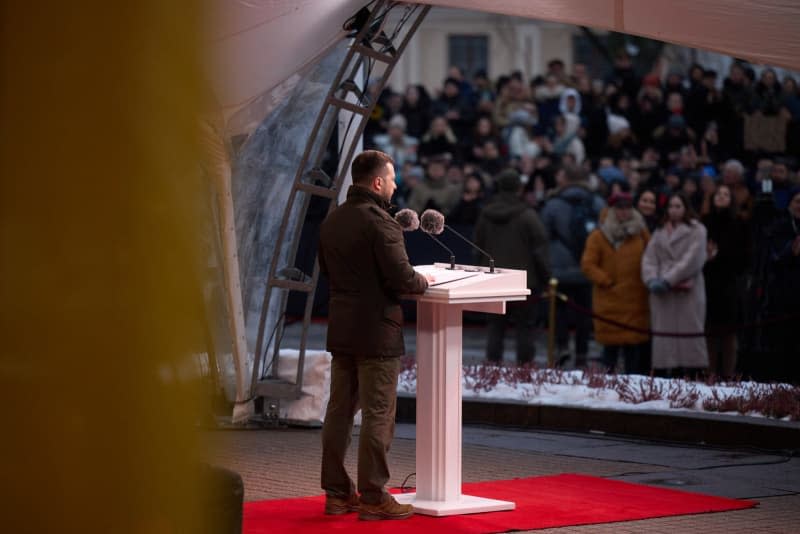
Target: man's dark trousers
<point>371,384</point>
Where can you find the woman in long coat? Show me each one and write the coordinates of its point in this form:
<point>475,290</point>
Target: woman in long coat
<point>672,269</point>
<point>612,261</point>
<point>729,247</point>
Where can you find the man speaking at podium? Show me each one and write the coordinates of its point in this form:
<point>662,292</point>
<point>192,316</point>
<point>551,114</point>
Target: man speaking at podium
<point>362,252</point>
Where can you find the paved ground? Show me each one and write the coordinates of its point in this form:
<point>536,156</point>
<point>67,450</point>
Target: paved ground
<point>281,463</point>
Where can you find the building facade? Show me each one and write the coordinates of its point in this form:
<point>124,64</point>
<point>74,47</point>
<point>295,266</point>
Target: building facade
<point>473,40</point>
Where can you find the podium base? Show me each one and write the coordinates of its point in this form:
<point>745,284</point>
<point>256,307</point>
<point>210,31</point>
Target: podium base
<point>465,504</point>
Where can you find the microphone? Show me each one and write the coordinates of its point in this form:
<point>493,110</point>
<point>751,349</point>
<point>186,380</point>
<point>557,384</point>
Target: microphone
<point>432,222</point>
<point>409,220</point>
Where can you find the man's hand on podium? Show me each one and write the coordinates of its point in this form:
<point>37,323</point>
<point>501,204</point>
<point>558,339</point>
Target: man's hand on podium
<point>430,278</point>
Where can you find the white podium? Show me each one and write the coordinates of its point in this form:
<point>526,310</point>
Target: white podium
<point>439,320</point>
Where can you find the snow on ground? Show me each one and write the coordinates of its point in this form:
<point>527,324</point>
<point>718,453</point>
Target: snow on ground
<point>600,391</point>
<point>588,389</point>
<point>595,389</point>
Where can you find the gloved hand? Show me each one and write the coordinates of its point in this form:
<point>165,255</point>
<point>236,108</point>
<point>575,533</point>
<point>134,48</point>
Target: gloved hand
<point>657,286</point>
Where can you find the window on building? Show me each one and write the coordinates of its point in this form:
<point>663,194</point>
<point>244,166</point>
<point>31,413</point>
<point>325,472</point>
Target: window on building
<point>596,49</point>
<point>469,53</point>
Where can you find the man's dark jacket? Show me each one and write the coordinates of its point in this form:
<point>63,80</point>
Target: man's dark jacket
<point>510,231</point>
<point>363,254</point>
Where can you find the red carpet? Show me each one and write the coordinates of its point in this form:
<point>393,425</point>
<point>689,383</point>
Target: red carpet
<point>542,502</point>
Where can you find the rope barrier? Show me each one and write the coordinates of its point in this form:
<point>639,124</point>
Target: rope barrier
<point>712,331</point>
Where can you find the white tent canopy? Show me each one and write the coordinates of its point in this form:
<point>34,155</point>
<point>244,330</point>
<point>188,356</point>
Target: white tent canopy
<point>258,45</point>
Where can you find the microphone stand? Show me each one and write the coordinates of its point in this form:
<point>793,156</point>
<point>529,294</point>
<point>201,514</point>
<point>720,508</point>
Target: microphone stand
<point>491,260</point>
<point>452,256</point>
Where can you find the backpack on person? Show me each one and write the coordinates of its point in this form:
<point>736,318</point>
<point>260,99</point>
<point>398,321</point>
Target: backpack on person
<point>583,219</point>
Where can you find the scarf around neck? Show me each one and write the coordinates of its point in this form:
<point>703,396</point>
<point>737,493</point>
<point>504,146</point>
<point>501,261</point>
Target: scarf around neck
<point>617,231</point>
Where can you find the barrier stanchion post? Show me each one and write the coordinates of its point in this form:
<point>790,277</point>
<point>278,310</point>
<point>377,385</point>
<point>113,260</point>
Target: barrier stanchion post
<point>551,324</point>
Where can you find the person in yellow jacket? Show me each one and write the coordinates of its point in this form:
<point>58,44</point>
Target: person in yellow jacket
<point>612,262</point>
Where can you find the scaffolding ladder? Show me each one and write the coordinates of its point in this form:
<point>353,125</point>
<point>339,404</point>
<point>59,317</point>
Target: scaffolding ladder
<point>373,46</point>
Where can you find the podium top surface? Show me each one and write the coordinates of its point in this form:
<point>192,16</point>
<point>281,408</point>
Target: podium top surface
<point>471,283</point>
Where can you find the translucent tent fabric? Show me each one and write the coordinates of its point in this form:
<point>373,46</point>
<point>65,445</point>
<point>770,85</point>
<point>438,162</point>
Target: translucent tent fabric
<point>263,172</point>
<point>258,47</point>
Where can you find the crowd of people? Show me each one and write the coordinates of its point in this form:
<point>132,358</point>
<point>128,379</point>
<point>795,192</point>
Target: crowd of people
<point>666,204</point>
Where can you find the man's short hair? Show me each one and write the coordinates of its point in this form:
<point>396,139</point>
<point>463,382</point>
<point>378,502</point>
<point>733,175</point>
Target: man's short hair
<point>369,164</point>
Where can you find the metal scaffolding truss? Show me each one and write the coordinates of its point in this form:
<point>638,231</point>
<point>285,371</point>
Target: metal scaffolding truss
<point>376,47</point>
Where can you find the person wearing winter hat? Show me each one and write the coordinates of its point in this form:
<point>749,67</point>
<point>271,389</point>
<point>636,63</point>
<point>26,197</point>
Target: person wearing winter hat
<point>611,261</point>
<point>566,139</point>
<point>570,102</point>
<point>518,133</point>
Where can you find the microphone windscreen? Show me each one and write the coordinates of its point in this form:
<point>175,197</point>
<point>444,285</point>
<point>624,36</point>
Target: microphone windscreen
<point>408,219</point>
<point>432,222</point>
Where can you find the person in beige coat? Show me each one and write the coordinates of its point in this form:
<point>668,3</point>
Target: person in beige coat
<point>672,269</point>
